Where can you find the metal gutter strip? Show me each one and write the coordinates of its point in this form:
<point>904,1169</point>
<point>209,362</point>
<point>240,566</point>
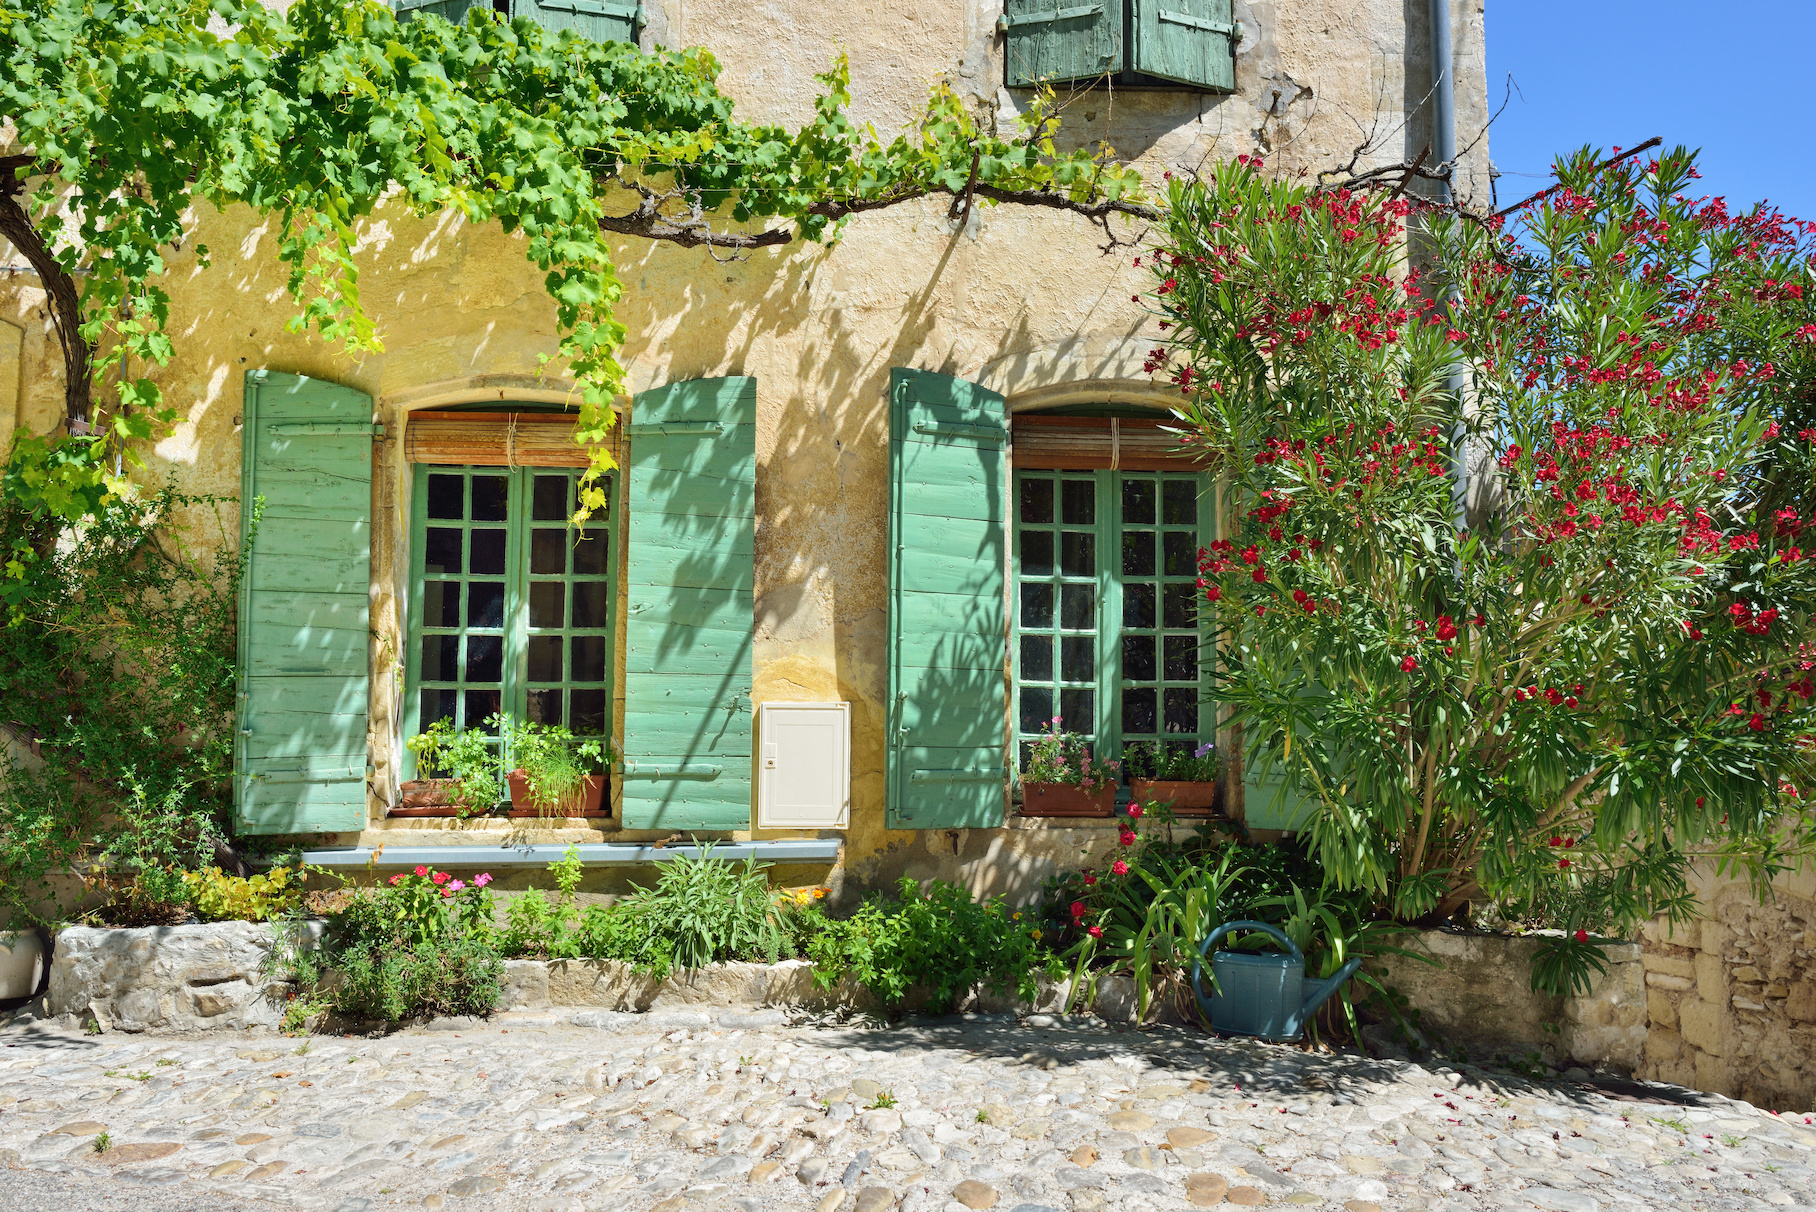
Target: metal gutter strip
<point>596,854</point>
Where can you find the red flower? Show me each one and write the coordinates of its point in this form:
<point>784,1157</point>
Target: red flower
<point>1557,841</point>
<point>1126,838</point>
<point>1581,936</point>
<point>1119,868</point>
<point>1078,908</point>
<point>1564,863</point>
<point>1408,665</point>
<point>422,871</point>
<point>1259,576</point>
<point>1299,596</point>
<point>1095,931</point>
<point>1090,880</point>
<point>1757,723</point>
<point>1569,842</point>
<point>441,877</point>
<point>1447,630</point>
<point>1134,812</point>
<point>1214,593</point>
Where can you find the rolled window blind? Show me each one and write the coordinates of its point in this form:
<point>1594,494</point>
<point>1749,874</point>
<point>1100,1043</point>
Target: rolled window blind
<point>493,439</point>
<point>1093,443</point>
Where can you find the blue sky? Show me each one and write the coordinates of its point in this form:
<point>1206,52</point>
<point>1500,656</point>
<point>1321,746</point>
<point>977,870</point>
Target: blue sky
<point>1736,79</point>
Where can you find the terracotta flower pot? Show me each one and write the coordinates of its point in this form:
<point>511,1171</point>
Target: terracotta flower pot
<point>428,798</point>
<point>589,801</point>
<point>1067,799</point>
<point>1188,799</point>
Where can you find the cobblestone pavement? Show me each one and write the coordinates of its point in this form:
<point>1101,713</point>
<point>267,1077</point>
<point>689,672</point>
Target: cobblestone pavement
<point>739,1112</point>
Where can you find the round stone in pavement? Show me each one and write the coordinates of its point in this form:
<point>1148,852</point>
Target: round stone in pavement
<point>975,1195</point>
<point>875,1199</point>
<point>1246,1197</point>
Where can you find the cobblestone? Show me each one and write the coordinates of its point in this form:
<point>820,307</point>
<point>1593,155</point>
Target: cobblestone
<point>579,1113</point>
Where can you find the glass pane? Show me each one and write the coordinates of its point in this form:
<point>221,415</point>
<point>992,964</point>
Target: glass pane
<point>548,603</point>
<point>436,705</point>
<point>1037,658</point>
<point>1182,658</point>
<point>1181,550</point>
<point>1078,502</point>
<point>485,552</point>
<point>1176,606</point>
<point>440,604</point>
<point>480,705</point>
<point>485,658</point>
<point>1036,708</point>
<point>445,496</point>
<point>1078,553</point>
<point>1138,502</point>
<point>1179,503</point>
<point>548,499</point>
<point>1037,500</point>
<point>1036,605</point>
<point>1181,709</point>
<point>548,552</point>
<point>1078,607</point>
<point>588,657</point>
<point>441,549</point>
<point>588,712</point>
<point>1138,658</point>
<point>485,603</point>
<point>1137,605</point>
<point>1037,553</point>
<point>545,658</point>
<point>1078,711</point>
<point>590,553</point>
<point>590,601</point>
<point>544,706</point>
<point>441,658</point>
<point>1078,658</point>
<point>489,496</point>
<point>1138,710</point>
<point>1138,553</point>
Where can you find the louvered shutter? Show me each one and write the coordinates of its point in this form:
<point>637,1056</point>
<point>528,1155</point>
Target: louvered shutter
<point>948,643</point>
<point>1191,41</point>
<point>1270,801</point>
<point>1057,40</point>
<point>300,740</point>
<point>600,20</point>
<point>453,10</point>
<point>692,513</point>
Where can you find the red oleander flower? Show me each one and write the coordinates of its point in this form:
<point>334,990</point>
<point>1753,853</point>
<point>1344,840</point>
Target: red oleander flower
<point>1408,665</point>
<point>1581,936</point>
<point>1078,908</point>
<point>1095,931</point>
<point>1119,868</point>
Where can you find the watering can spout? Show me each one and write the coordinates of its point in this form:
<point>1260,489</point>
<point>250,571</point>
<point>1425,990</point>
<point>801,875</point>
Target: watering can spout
<point>1320,993</point>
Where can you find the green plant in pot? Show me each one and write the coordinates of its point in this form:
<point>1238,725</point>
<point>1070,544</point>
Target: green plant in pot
<point>459,768</point>
<point>1063,779</point>
<point>1175,774</point>
<point>554,772</point>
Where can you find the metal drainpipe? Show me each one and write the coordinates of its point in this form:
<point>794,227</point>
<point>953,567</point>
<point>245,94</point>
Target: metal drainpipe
<point>1444,138</point>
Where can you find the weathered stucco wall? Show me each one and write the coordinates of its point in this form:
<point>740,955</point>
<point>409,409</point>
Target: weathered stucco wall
<point>1024,301</point>
<point>1732,996</point>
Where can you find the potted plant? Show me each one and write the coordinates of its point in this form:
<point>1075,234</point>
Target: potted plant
<point>1062,778</point>
<point>1187,780</point>
<point>556,773</point>
<point>461,769</point>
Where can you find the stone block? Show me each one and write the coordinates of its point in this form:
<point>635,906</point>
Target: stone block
<point>181,978</point>
<point>1661,1008</point>
<point>1671,964</point>
<point>1665,980</point>
<point>1704,1026</point>
<point>1713,1073</point>
<point>1800,1004</point>
<point>1711,978</point>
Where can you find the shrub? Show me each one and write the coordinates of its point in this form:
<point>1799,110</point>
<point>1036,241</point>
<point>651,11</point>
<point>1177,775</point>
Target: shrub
<point>219,897</point>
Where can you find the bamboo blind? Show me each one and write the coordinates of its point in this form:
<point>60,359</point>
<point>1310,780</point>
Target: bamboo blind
<point>493,439</point>
<point>1091,443</point>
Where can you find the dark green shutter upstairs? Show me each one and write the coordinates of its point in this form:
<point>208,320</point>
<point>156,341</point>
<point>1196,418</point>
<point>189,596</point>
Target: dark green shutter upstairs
<point>1139,43</point>
<point>300,739</point>
<point>691,502</point>
<point>1191,41</point>
<point>1060,40</point>
<point>948,643</point>
<point>600,20</point>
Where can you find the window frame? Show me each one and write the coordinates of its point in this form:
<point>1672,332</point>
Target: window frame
<point>1108,738</point>
<point>514,687</point>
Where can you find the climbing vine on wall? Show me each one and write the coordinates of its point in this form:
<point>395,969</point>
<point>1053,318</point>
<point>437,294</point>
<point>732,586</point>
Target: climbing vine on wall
<point>118,116</point>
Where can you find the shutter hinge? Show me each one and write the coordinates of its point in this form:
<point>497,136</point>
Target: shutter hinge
<point>1005,22</point>
<point>1233,29</point>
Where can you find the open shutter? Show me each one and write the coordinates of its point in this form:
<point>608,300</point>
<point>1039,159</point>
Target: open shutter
<point>600,20</point>
<point>1269,801</point>
<point>300,743</point>
<point>1192,41</point>
<point>453,10</point>
<point>692,512</point>
<point>948,643</point>
<point>1060,39</point>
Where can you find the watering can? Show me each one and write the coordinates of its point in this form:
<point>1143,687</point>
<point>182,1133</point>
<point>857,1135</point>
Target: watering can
<point>1262,995</point>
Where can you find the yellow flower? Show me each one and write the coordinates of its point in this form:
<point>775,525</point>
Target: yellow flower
<point>1015,917</point>
<point>1034,934</point>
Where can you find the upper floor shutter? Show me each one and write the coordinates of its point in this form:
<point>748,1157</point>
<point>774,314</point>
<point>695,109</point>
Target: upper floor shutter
<point>691,502</point>
<point>1060,39</point>
<point>1191,41</point>
<point>300,735</point>
<point>948,635</point>
<point>600,20</point>
<point>453,10</point>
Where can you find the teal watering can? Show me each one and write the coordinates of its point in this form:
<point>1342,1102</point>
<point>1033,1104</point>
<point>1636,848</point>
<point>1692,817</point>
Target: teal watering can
<point>1262,995</point>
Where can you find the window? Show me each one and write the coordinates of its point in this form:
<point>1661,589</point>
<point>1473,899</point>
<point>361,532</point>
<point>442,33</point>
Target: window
<point>1134,43</point>
<point>600,20</point>
<point>1107,635</point>
<point>513,608</point>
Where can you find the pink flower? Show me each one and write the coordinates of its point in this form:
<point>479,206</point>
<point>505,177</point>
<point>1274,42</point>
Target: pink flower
<point>447,892</point>
<point>422,871</point>
<point>397,877</point>
<point>456,886</point>
<point>482,879</point>
<point>1135,812</point>
<point>1119,868</point>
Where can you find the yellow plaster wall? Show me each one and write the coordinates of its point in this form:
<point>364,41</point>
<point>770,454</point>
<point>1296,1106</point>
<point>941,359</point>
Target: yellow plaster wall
<point>1021,300</point>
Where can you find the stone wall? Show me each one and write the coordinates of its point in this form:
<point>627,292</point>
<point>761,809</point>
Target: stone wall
<point>1481,1000</point>
<point>1732,995</point>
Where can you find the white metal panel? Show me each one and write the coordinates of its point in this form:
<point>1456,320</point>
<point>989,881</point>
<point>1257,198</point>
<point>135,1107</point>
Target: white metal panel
<point>804,765</point>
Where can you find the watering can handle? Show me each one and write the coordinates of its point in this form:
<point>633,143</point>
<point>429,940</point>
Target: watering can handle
<point>1216,935</point>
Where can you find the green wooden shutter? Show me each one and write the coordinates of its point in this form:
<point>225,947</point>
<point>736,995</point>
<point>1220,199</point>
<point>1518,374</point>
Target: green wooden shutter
<point>1269,801</point>
<point>1192,41</point>
<point>300,744</point>
<point>600,20</point>
<point>947,634</point>
<point>691,497</point>
<point>1060,39</point>
<point>453,10</point>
